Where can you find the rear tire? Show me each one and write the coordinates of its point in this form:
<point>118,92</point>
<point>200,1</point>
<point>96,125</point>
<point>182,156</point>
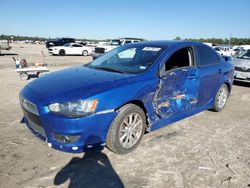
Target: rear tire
<point>126,130</point>
<point>221,98</point>
<point>62,53</point>
<point>85,53</point>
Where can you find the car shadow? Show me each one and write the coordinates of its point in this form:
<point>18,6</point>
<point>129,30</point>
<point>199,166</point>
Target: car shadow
<point>92,170</point>
<point>244,84</point>
<point>7,54</point>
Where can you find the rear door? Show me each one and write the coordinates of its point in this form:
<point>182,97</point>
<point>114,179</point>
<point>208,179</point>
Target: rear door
<point>76,49</point>
<point>210,71</point>
<point>179,85</point>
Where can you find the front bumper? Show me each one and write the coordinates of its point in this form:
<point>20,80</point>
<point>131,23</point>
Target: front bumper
<point>54,52</point>
<point>241,76</point>
<point>91,131</point>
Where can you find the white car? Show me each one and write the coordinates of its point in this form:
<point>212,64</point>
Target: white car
<point>223,50</point>
<point>101,49</point>
<point>70,49</point>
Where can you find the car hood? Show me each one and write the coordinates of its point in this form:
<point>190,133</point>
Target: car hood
<point>77,83</point>
<point>241,62</point>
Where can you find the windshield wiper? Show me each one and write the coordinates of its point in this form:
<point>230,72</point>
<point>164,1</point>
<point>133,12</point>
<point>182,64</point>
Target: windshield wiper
<point>109,69</point>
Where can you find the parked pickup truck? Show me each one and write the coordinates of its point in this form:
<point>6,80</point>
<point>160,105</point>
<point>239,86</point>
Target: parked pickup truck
<point>101,49</point>
<point>59,42</point>
<point>4,45</point>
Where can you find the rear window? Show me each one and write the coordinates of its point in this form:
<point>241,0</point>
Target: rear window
<point>206,56</point>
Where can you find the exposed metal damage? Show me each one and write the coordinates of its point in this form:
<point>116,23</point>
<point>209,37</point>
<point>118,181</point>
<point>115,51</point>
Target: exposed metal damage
<point>174,94</point>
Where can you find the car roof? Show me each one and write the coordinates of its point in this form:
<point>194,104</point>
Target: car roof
<point>128,38</point>
<point>168,43</point>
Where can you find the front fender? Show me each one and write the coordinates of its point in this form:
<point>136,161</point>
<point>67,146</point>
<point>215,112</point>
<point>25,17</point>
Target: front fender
<point>115,98</point>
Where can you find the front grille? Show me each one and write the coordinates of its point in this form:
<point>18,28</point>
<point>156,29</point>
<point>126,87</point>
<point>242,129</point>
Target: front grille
<point>32,117</point>
<point>37,128</point>
<point>99,50</point>
<point>34,122</point>
<point>242,69</point>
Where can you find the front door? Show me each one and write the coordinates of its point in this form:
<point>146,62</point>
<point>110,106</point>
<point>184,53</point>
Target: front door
<point>179,85</point>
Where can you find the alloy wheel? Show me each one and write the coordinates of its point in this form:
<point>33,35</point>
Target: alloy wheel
<point>130,130</point>
<point>222,97</point>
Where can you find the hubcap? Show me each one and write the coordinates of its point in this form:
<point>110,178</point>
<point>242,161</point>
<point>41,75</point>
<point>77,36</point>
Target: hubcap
<point>130,130</point>
<point>222,97</point>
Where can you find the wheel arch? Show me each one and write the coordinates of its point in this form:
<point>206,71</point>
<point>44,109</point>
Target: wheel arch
<point>62,50</point>
<point>229,86</point>
<point>140,104</point>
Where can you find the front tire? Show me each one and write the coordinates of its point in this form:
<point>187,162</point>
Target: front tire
<point>126,130</point>
<point>62,53</point>
<point>221,98</point>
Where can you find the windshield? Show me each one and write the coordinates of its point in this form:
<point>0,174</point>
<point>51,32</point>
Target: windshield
<point>115,42</point>
<point>66,45</point>
<point>244,55</point>
<point>127,59</point>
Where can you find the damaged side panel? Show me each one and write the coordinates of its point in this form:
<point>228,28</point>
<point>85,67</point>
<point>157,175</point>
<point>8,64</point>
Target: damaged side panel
<point>177,92</point>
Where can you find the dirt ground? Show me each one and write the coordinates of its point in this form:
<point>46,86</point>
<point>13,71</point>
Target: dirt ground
<point>206,150</point>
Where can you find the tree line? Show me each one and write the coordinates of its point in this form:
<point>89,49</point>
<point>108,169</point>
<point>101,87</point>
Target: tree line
<point>22,38</point>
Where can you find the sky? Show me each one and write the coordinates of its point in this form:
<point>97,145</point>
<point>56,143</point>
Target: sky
<point>105,19</point>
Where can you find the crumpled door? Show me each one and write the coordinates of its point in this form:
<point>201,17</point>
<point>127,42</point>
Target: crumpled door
<point>178,92</point>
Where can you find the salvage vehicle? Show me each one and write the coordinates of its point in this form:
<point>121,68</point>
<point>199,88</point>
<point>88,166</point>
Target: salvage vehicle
<point>70,49</point>
<point>242,67</point>
<point>133,89</point>
<point>102,49</point>
<point>59,42</point>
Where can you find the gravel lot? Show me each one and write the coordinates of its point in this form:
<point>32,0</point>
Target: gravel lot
<point>206,150</point>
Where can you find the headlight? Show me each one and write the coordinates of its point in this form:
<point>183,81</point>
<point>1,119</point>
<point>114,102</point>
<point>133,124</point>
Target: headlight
<point>74,109</point>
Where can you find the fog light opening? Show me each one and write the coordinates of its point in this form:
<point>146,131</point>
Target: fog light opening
<point>66,139</point>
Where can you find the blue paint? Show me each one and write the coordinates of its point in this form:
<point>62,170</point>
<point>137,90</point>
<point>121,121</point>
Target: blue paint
<point>186,95</point>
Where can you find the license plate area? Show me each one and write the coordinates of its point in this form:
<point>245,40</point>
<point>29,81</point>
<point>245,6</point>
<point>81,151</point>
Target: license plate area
<point>241,75</point>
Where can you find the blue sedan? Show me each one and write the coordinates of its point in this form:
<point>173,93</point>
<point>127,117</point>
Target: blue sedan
<point>131,90</point>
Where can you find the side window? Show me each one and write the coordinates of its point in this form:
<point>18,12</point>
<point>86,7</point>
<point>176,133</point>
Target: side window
<point>76,45</point>
<point>180,58</point>
<point>128,41</point>
<point>206,56</point>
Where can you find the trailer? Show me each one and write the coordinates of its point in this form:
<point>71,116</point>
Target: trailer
<point>28,72</point>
